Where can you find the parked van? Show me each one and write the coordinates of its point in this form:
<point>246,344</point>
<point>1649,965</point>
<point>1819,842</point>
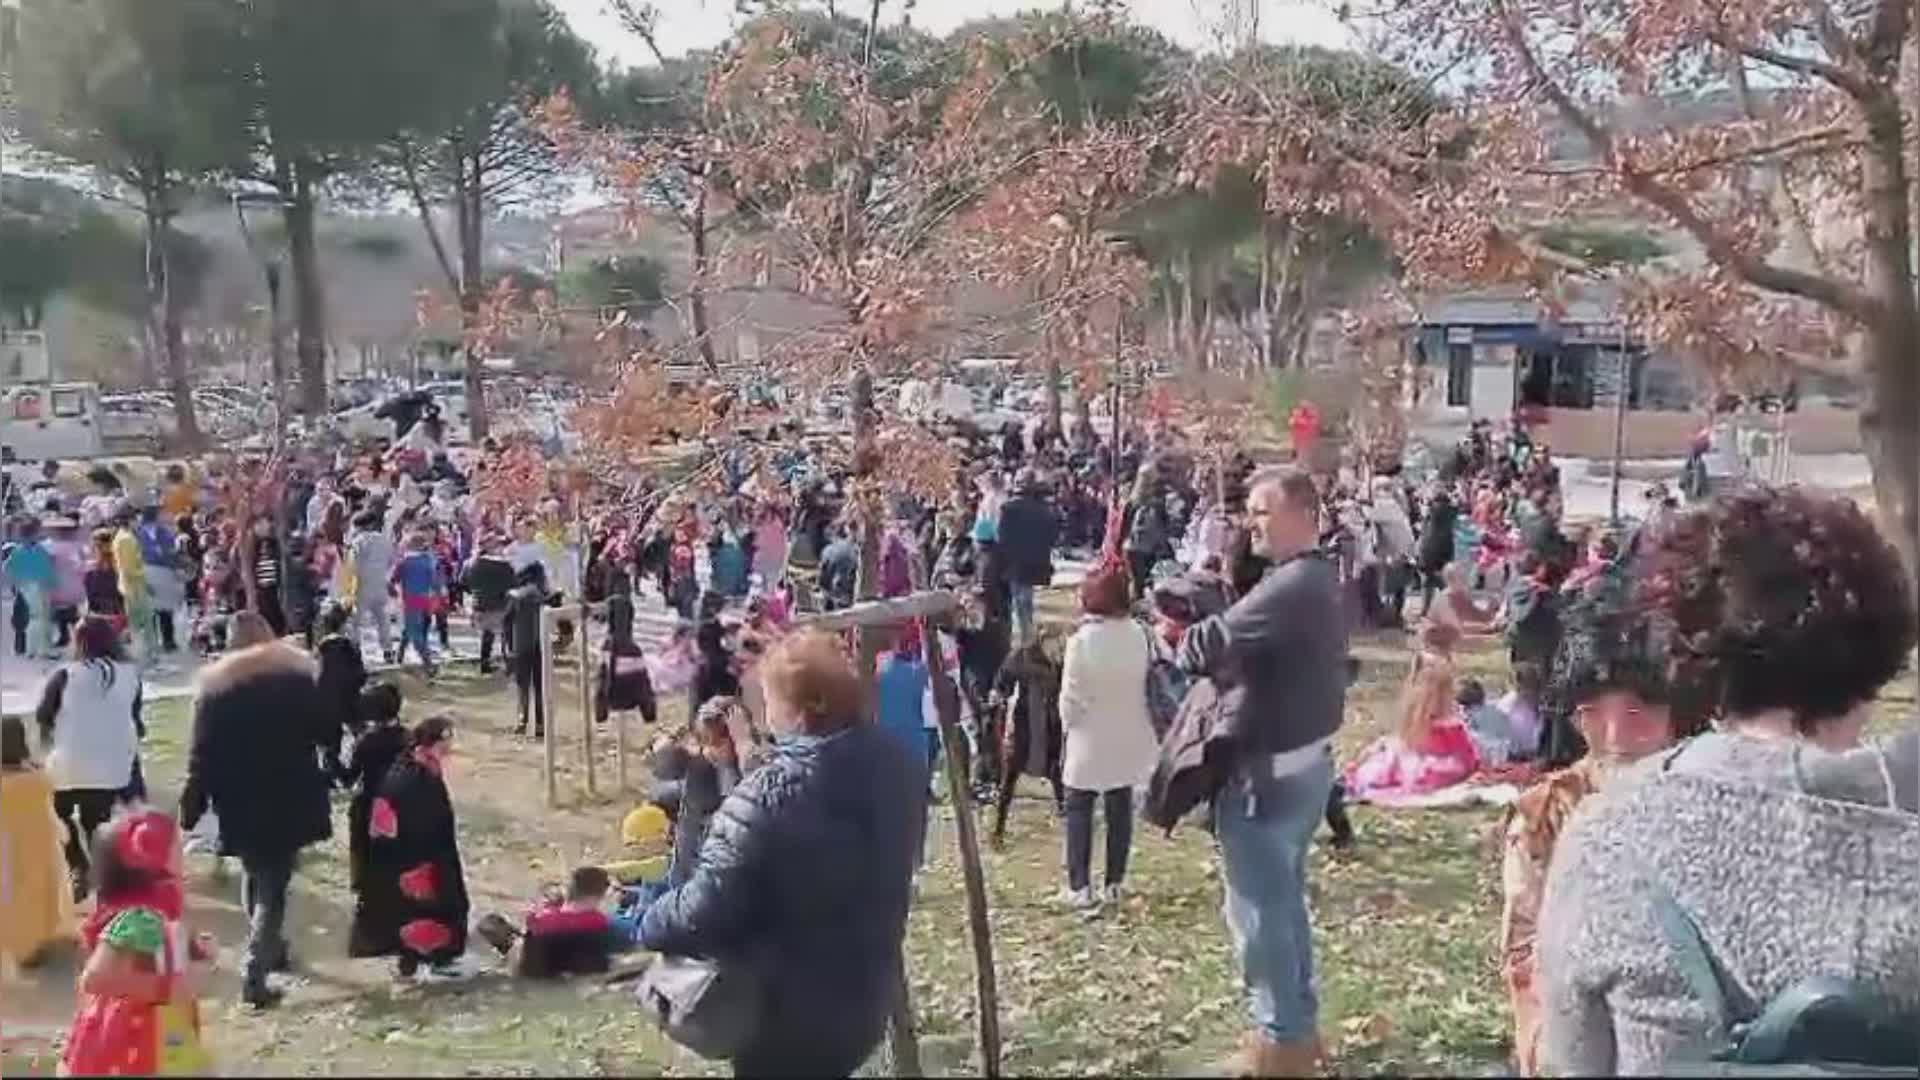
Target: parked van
<point>51,420</point>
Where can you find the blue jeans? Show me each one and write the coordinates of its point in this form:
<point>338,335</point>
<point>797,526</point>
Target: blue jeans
<point>264,881</point>
<point>1263,826</point>
<point>413,631</point>
<point>1022,605</point>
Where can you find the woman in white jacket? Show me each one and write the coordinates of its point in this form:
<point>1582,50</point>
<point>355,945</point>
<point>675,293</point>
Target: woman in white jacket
<point>89,715</point>
<point>1110,745</point>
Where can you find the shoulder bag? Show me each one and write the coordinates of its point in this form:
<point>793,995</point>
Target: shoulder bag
<point>710,1008</point>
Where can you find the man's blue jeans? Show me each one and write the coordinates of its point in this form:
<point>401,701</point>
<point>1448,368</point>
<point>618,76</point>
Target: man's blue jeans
<point>1022,611</point>
<point>1263,826</point>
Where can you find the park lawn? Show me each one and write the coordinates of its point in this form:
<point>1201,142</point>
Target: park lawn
<point>1405,933</point>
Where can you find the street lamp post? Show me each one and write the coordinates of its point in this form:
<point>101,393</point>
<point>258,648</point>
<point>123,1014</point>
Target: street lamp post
<point>270,260</point>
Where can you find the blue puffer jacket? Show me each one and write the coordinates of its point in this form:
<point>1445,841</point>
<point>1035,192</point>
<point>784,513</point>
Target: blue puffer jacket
<point>806,874</point>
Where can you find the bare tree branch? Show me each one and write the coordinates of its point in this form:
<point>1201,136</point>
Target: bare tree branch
<point>1842,296</point>
<point>409,169</point>
<point>1853,85</point>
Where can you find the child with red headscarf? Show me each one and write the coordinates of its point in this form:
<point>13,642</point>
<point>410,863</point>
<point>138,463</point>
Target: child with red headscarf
<point>139,1013</point>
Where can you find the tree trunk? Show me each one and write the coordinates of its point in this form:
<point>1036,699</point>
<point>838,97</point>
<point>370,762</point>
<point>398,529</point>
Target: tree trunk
<point>163,323</point>
<point>1204,333</point>
<point>186,421</point>
<point>310,321</point>
<point>697,289</point>
<point>1189,356</point>
<point>1889,427</point>
<point>1172,303</point>
<point>1266,300</point>
<point>1887,432</point>
<point>470,203</point>
<point>867,584</point>
<point>1053,380</point>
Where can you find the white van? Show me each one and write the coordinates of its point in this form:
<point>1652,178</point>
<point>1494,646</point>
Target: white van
<point>51,420</point>
<point>922,400</point>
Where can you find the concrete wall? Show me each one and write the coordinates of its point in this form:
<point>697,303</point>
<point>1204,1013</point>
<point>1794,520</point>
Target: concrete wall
<point>1588,433</point>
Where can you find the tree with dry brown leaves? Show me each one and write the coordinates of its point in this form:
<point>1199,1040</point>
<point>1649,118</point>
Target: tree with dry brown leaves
<point>1775,140</point>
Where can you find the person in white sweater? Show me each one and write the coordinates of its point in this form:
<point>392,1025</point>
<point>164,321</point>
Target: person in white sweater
<point>1110,744</point>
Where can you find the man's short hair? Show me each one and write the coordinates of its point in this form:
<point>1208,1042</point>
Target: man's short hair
<point>1294,482</point>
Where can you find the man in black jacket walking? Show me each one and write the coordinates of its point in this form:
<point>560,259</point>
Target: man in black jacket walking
<point>526,606</point>
<point>489,577</point>
<point>252,762</point>
<point>1283,646</point>
<point>1028,530</point>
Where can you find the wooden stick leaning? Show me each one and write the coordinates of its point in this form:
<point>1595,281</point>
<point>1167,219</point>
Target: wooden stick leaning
<point>946,707</point>
<point>546,704</point>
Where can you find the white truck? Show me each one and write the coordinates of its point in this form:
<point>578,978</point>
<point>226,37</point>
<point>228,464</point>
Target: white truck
<point>41,421</point>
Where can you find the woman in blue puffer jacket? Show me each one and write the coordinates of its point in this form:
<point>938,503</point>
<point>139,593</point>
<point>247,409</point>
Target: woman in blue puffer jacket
<point>806,870</point>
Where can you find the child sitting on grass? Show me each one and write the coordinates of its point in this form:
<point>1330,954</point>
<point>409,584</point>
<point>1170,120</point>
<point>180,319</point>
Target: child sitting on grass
<point>569,934</point>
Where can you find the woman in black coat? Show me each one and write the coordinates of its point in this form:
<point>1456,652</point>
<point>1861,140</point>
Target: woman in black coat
<point>1032,739</point>
<point>413,891</point>
<point>804,879</point>
<point>1436,545</point>
<point>343,674</point>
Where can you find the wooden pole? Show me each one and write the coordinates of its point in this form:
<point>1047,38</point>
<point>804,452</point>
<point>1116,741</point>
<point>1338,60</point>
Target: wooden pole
<point>1624,393</point>
<point>585,654</point>
<point>620,747</point>
<point>882,612</point>
<point>546,704</point>
<point>903,1045</point>
<point>946,707</point>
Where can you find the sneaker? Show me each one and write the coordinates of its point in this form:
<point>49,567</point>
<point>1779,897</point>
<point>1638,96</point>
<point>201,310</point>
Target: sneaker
<point>1114,893</point>
<point>1082,900</point>
<point>452,971</point>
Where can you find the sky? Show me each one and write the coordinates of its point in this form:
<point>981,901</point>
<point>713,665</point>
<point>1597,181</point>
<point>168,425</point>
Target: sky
<point>694,24</point>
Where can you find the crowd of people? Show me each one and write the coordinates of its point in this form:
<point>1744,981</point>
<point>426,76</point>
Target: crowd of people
<point>1209,668</point>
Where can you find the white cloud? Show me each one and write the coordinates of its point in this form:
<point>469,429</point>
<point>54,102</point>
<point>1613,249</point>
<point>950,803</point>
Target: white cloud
<point>1196,24</point>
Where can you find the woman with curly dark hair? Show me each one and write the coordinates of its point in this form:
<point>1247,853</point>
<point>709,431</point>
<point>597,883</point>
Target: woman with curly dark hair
<point>1776,844</point>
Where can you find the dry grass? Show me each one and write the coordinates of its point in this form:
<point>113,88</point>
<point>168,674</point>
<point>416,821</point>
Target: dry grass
<point>1405,932</point>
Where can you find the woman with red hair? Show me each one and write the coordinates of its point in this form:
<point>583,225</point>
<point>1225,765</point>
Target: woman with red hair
<point>1110,744</point>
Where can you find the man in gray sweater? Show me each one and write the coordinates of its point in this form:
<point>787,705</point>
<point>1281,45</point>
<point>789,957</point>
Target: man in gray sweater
<point>1284,645</point>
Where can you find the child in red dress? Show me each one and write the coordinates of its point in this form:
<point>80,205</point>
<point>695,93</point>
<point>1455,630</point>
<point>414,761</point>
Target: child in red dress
<point>139,1011</point>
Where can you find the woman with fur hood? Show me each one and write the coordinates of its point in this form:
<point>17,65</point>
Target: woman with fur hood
<point>251,761</point>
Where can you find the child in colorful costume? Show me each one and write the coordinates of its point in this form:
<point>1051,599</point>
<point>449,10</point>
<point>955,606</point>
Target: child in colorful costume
<point>139,1013</point>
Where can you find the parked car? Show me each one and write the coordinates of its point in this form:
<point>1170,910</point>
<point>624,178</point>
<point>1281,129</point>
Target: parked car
<point>126,418</point>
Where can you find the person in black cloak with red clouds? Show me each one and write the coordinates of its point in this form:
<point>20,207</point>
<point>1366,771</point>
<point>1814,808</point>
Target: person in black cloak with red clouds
<point>413,897</point>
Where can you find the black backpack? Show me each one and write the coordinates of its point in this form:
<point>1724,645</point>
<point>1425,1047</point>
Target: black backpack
<point>1826,1025</point>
